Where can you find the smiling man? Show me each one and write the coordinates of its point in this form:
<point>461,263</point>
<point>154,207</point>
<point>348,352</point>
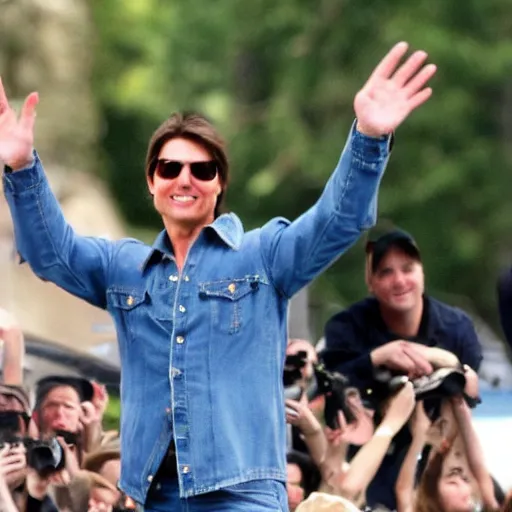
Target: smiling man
<point>399,328</point>
<point>201,315</point>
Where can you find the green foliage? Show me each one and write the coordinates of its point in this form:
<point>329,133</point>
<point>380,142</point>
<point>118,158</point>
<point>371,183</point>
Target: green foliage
<point>112,414</point>
<point>279,80</point>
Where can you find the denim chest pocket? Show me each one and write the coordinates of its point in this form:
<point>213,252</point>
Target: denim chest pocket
<point>134,308</point>
<point>232,302</point>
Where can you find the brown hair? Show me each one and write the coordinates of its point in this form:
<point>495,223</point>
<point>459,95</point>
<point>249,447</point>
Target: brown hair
<point>427,495</point>
<point>196,128</point>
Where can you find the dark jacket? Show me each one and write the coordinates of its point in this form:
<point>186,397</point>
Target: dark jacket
<point>352,334</point>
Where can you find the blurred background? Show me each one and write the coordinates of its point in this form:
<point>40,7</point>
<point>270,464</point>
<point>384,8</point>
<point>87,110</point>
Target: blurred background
<point>278,78</point>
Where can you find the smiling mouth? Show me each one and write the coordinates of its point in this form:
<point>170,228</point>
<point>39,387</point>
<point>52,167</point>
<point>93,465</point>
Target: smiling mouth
<point>401,294</point>
<point>183,199</point>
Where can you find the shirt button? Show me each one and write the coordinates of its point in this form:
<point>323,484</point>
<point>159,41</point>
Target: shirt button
<point>182,309</point>
<point>150,478</point>
<point>173,278</point>
<point>168,410</point>
<point>129,300</point>
<point>186,469</point>
<point>187,279</point>
<point>180,339</point>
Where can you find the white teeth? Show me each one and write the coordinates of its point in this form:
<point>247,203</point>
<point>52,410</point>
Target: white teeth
<point>183,199</point>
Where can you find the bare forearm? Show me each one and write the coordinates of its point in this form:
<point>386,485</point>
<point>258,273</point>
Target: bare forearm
<point>475,455</point>
<point>317,445</point>
<point>14,350</point>
<point>365,464</point>
<point>404,488</point>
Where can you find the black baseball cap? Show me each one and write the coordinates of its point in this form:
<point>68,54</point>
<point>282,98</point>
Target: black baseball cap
<point>82,386</point>
<point>379,246</point>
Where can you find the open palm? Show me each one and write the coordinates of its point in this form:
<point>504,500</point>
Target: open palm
<point>392,92</point>
<point>17,134</point>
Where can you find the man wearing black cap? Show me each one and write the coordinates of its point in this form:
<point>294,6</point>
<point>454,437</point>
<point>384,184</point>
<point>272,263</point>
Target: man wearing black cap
<point>400,329</point>
<point>58,402</point>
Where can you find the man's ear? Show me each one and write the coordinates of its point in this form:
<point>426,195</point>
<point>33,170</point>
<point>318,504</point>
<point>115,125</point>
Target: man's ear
<point>151,185</point>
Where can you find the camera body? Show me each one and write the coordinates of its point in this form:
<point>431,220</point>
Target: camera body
<point>44,456</point>
<point>332,385</point>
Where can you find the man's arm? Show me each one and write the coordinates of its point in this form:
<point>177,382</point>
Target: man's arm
<point>297,252</point>
<point>470,348</point>
<point>48,243</point>
<point>43,237</point>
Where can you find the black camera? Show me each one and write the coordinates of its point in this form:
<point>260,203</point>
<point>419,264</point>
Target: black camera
<point>293,366</point>
<point>332,385</point>
<point>44,456</point>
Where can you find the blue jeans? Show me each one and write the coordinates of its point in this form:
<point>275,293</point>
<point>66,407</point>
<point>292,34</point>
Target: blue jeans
<point>254,496</point>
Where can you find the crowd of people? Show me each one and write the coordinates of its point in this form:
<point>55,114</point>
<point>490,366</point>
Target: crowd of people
<point>219,410</point>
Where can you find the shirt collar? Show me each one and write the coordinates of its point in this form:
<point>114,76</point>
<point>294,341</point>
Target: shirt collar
<point>228,228</point>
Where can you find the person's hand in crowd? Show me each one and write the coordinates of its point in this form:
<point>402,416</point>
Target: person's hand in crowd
<point>13,464</point>
<point>401,356</point>
<point>12,341</point>
<point>419,423</point>
<point>6,501</point>
<point>299,415</point>
<point>472,387</point>
<point>437,357</point>
<point>393,91</point>
<point>399,408</point>
<point>337,436</point>
<point>90,414</point>
<point>100,399</point>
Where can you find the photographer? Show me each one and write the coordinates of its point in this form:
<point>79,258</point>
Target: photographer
<point>399,330</point>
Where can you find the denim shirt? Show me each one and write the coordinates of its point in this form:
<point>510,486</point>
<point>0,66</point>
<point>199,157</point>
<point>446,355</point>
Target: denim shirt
<point>202,350</point>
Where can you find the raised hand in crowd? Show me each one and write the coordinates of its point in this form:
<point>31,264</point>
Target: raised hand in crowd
<point>299,414</point>
<point>12,346</point>
<point>474,452</point>
<point>368,459</point>
<point>419,425</point>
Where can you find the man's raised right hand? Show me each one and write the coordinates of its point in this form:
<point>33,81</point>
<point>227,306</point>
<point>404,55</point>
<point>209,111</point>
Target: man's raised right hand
<point>17,133</point>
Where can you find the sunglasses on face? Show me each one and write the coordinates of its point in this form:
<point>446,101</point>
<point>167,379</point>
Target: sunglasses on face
<point>170,169</point>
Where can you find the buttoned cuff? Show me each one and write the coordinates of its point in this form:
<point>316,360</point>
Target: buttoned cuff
<point>16,182</point>
<point>368,148</point>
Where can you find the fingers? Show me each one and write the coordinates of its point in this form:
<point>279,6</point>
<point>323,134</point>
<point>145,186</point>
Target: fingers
<point>388,64</point>
<point>419,98</point>
<point>28,112</point>
<point>409,68</point>
<point>342,422</point>
<point>12,462</point>
<point>421,365</point>
<point>4,103</point>
<point>417,82</point>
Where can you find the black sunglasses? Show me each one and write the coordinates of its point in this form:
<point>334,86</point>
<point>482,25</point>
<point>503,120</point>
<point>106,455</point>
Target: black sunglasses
<point>170,169</point>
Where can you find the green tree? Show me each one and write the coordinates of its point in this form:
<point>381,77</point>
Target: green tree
<point>279,80</point>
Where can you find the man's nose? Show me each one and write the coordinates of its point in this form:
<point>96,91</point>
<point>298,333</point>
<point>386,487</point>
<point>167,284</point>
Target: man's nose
<point>399,279</point>
<point>184,178</point>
